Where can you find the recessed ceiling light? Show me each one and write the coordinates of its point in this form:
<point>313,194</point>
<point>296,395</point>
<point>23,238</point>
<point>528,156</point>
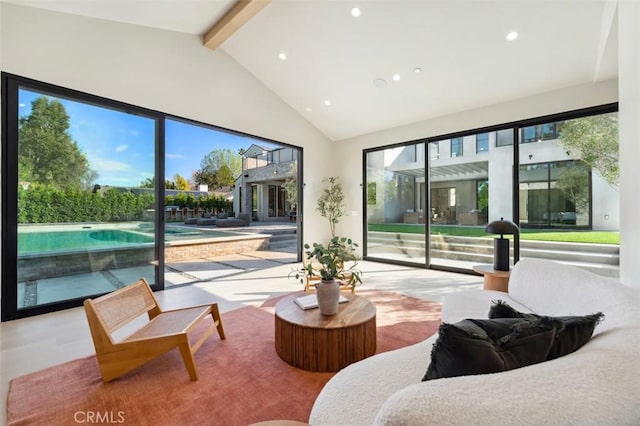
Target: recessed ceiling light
<point>282,56</point>
<point>327,102</point>
<point>512,36</point>
<point>396,77</point>
<point>417,70</point>
<point>355,12</point>
<point>379,82</point>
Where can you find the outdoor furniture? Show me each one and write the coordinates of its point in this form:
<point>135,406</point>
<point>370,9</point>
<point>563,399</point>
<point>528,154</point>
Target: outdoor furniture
<point>164,331</point>
<point>474,217</point>
<point>243,219</point>
<point>204,221</point>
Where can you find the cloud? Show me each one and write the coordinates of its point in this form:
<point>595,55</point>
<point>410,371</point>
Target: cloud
<point>104,166</point>
<point>121,148</point>
<point>173,156</point>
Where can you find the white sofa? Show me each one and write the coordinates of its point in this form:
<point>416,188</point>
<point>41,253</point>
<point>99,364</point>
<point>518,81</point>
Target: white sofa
<point>599,384</point>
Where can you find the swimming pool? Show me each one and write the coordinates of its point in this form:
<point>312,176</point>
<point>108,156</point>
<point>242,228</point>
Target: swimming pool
<point>44,241</point>
<point>48,251</point>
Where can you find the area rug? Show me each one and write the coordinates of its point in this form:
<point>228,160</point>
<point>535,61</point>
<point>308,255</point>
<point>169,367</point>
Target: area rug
<point>241,379</point>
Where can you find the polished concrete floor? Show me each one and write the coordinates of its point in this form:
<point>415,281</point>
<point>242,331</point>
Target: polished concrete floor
<point>31,344</point>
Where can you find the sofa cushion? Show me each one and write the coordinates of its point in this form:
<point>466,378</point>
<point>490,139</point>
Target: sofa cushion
<point>474,346</point>
<point>573,333</point>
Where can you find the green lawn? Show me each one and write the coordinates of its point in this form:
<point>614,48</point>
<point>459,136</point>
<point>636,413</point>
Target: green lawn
<point>570,236</point>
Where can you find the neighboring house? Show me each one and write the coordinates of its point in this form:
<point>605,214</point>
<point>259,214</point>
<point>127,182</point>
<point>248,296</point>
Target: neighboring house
<point>461,169</point>
<point>258,189</point>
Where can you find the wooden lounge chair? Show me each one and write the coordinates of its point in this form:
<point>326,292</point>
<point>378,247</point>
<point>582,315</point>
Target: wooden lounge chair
<point>164,331</point>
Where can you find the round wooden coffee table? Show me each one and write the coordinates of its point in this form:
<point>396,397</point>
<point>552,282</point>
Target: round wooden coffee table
<point>314,342</point>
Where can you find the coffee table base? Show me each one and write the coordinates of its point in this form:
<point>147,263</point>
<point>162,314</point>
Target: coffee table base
<point>314,342</point>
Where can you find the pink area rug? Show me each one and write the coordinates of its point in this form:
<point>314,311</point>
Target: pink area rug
<point>241,379</point>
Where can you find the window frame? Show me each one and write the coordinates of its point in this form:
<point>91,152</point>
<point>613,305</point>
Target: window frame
<point>515,127</point>
<point>9,85</point>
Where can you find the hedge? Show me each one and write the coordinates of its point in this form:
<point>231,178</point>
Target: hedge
<point>45,204</point>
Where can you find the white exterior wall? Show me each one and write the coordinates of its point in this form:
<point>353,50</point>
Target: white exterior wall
<point>160,70</point>
<point>500,181</point>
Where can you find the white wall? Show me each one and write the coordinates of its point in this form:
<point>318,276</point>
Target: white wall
<point>161,70</point>
<point>629,74</point>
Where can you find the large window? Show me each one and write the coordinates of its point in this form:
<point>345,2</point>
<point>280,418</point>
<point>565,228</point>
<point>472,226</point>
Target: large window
<point>82,223</point>
<point>567,183</point>
<point>97,194</point>
<point>555,194</point>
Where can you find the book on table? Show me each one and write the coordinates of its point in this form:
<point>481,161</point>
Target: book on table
<point>311,301</point>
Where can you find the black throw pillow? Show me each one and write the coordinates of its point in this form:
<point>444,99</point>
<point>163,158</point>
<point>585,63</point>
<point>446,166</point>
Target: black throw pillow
<point>573,333</point>
<point>474,346</point>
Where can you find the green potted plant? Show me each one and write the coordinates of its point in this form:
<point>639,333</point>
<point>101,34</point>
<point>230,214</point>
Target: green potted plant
<point>336,264</point>
<point>330,203</point>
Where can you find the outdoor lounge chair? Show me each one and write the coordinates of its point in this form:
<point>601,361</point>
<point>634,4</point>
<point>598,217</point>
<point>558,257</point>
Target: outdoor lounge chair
<point>243,219</point>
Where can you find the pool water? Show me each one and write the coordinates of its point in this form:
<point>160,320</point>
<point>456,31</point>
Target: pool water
<point>52,241</point>
<point>37,242</point>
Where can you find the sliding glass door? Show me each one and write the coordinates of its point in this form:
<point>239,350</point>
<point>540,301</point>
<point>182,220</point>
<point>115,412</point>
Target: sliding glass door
<point>556,179</point>
<point>396,203</point>
<point>470,179</point>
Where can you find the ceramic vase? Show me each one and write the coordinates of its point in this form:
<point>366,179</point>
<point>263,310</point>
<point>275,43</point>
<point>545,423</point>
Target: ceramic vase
<point>328,294</point>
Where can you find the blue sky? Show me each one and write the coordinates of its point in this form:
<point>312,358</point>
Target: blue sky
<point>120,146</point>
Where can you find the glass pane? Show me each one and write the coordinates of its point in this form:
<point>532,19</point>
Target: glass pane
<point>219,175</point>
<point>482,142</point>
<point>569,202</point>
<point>457,147</point>
<point>466,193</point>
<point>85,224</point>
<point>504,137</point>
<point>396,203</point>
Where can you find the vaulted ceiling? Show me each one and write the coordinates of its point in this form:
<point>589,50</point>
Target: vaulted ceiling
<point>339,69</point>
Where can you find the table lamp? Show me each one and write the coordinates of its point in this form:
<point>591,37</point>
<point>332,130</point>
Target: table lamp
<point>501,245</point>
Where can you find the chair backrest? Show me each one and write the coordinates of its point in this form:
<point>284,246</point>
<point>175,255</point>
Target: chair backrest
<point>124,305</point>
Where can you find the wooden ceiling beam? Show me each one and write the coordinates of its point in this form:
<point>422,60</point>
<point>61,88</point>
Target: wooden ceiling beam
<point>235,18</point>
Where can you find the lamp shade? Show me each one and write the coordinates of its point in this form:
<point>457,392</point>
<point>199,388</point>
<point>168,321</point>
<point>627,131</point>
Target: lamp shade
<point>502,227</point>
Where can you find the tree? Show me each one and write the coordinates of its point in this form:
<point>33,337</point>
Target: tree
<point>47,153</point>
<point>574,183</point>
<point>596,139</point>
<point>212,168</point>
<point>148,183</point>
<point>181,182</point>
<point>151,183</point>
<point>224,177</point>
<point>330,203</point>
<point>290,186</point>
<point>204,177</point>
